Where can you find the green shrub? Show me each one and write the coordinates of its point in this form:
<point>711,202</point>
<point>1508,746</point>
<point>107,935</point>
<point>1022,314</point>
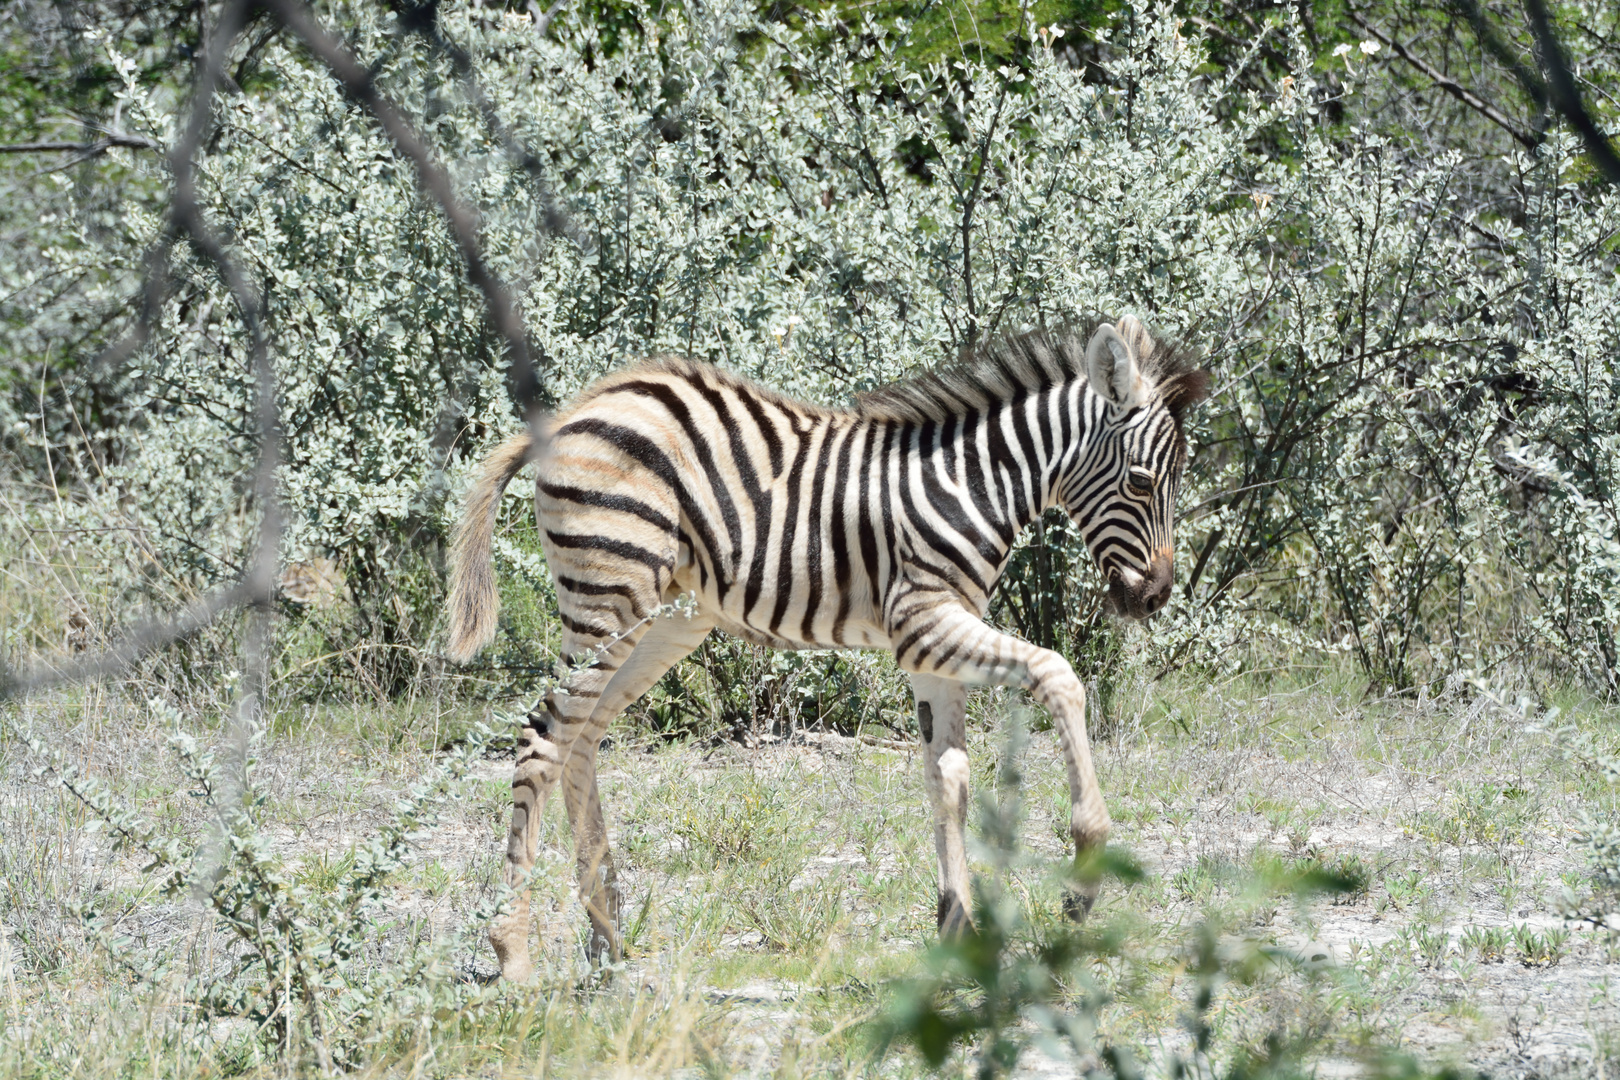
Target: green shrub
<point>1407,461</point>
<point>1539,949</point>
<point>303,933</point>
<point>1487,943</point>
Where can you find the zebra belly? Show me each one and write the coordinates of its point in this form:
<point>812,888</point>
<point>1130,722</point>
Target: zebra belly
<point>859,638</point>
<point>727,615</point>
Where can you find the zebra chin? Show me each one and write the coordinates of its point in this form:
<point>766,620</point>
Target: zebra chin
<point>1136,595</point>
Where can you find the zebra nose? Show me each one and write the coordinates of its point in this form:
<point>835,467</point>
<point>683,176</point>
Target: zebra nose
<point>1160,578</point>
<point>1137,594</point>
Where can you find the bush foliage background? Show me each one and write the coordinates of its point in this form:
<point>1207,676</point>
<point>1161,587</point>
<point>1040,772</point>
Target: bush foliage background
<point>1409,458</point>
<point>1408,466</point>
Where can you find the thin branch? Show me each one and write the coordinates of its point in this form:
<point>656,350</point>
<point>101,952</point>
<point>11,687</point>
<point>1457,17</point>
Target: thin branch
<point>1203,561</point>
<point>424,22</point>
<point>188,219</point>
<point>969,204</point>
<point>89,149</point>
<point>140,642</point>
<point>1451,86</point>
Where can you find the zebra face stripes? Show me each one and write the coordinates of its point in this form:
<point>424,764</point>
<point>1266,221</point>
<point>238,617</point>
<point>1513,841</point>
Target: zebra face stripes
<point>887,525</point>
<point>1122,496</point>
<point>1124,505</point>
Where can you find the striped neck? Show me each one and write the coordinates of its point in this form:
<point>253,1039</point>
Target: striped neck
<point>1011,459</point>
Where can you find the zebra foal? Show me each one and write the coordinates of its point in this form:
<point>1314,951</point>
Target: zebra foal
<point>882,526</point>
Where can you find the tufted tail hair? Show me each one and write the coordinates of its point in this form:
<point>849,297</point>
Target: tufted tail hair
<point>474,602</point>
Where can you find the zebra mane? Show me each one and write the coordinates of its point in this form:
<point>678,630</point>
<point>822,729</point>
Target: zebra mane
<point>1008,366</point>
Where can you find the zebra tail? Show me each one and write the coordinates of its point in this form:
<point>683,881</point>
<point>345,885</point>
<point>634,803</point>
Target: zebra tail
<point>474,602</point>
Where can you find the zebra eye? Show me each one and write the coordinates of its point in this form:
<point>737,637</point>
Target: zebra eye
<point>1140,481</point>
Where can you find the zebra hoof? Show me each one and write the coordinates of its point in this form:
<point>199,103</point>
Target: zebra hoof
<point>1077,903</point>
<point>509,938</point>
<point>517,970</point>
<point>603,948</point>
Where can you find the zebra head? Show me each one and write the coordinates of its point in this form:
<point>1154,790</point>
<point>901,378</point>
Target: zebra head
<point>1125,501</point>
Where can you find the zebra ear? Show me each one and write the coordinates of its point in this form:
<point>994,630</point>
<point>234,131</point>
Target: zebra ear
<point>1136,336</point>
<point>1111,368</point>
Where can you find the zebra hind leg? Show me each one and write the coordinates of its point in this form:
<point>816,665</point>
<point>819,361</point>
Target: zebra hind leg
<point>546,746</point>
<point>665,642</point>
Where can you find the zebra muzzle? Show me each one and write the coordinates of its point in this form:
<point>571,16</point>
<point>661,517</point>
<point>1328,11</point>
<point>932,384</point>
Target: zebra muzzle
<point>1138,595</point>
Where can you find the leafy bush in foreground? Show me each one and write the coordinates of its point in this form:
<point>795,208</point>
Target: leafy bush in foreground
<point>1021,981</point>
<point>304,971</point>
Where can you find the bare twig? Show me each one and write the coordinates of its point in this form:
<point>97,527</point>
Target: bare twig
<point>136,644</point>
<point>106,142</point>
<point>1203,560</point>
<point>258,585</point>
<point>423,21</point>
<point>1451,86</point>
<point>969,202</point>
<point>186,220</point>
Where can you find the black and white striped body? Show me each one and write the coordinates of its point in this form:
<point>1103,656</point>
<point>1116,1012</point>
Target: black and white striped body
<point>799,527</point>
<point>884,526</point>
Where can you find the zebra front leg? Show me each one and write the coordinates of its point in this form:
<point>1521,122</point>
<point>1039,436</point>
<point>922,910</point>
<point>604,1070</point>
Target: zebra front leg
<point>942,721</point>
<point>946,640</point>
<point>1089,823</point>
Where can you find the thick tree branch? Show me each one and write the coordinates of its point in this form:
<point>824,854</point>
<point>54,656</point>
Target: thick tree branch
<point>186,221</point>
<point>1451,86</point>
<point>1562,94</point>
<point>1566,97</point>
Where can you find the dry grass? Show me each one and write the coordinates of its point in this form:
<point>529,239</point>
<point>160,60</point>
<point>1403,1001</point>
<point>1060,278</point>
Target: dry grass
<point>775,892</point>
